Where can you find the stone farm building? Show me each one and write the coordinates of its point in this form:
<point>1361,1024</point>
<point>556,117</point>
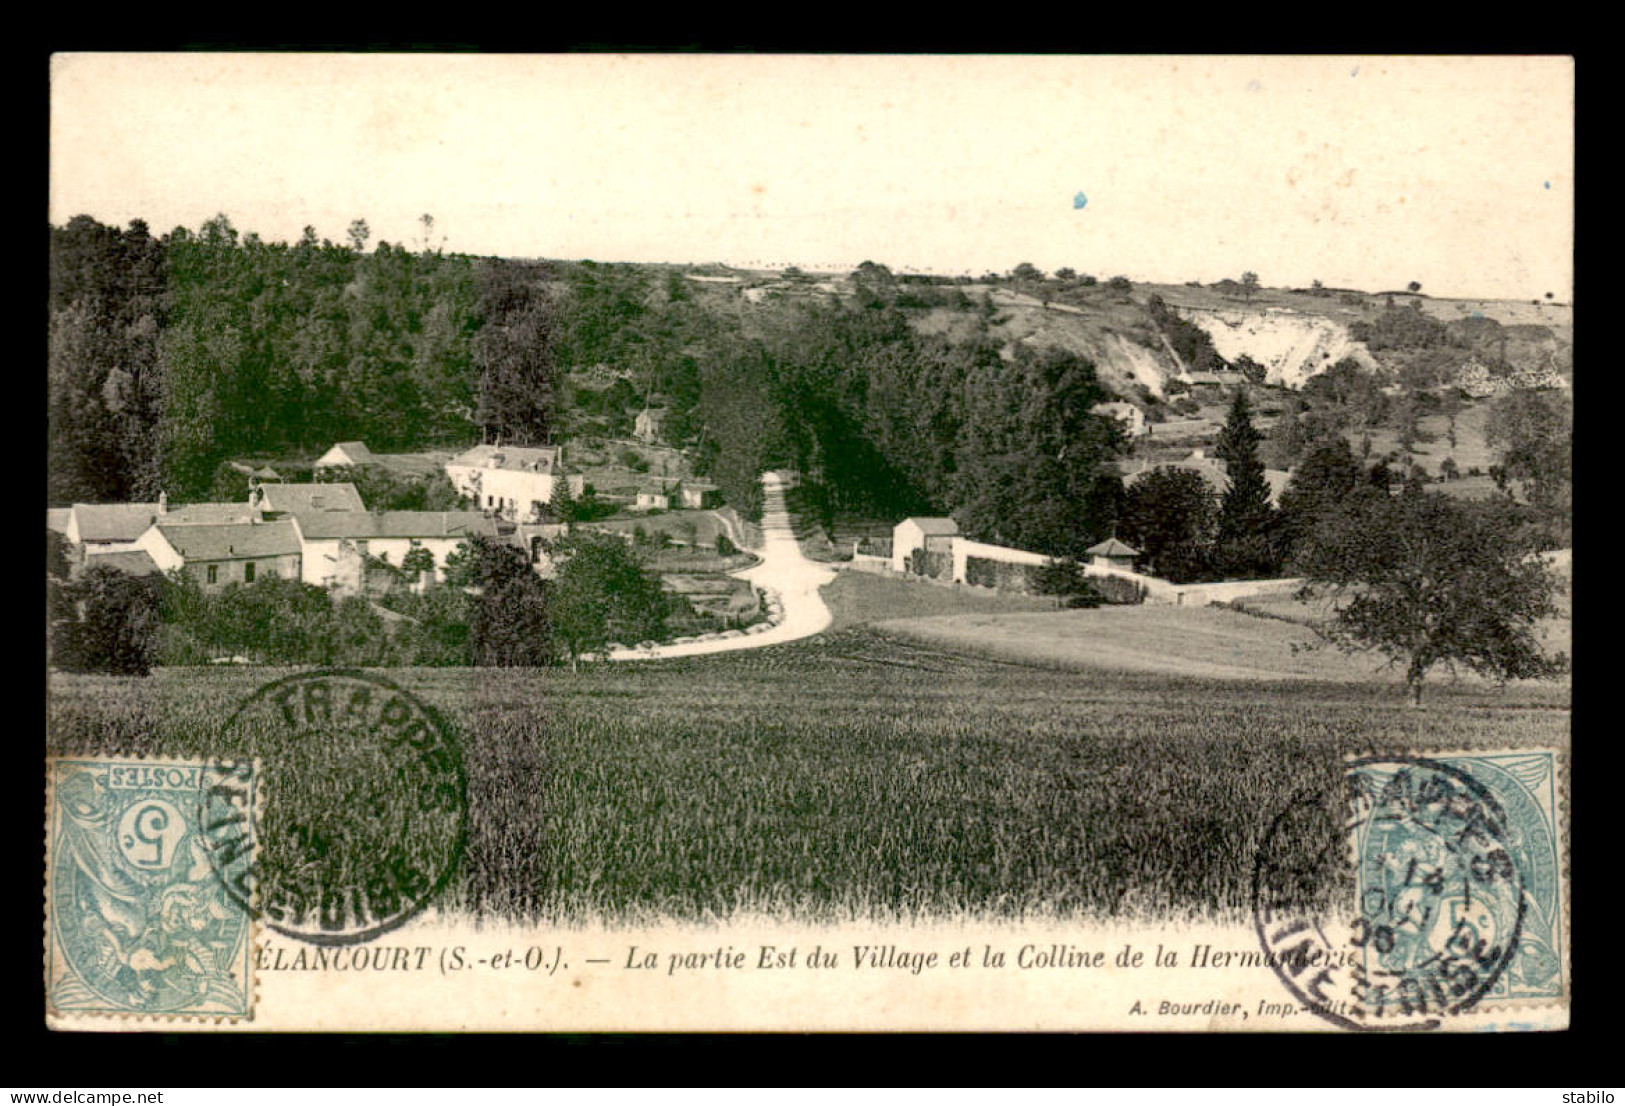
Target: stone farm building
<point>931,535</point>
<point>698,495</point>
<point>646,427</point>
<point>652,499</point>
<point>321,534</point>
<point>230,553</point>
<point>516,482</point>
<point>333,543</point>
<point>96,529</point>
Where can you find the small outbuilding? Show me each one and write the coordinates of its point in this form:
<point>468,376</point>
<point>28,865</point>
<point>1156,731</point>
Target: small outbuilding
<point>1112,553</point>
<point>646,427</point>
<point>701,496</point>
<point>932,535</point>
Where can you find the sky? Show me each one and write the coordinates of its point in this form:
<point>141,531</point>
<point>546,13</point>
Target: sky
<point>1357,171</point>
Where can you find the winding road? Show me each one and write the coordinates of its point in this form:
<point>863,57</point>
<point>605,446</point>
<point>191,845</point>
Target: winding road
<point>785,573</point>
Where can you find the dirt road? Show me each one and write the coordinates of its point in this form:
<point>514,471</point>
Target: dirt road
<point>784,573</point>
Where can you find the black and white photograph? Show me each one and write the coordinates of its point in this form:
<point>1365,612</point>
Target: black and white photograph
<point>653,542</point>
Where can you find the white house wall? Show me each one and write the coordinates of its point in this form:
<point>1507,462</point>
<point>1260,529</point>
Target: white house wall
<point>321,557</point>
<point>906,538</point>
<point>156,546</point>
<point>514,490</point>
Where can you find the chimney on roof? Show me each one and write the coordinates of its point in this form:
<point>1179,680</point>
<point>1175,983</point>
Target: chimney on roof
<point>163,503</point>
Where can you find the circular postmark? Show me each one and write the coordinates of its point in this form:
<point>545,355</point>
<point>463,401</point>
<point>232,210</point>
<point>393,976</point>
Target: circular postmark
<point>1437,901</point>
<point>364,806</point>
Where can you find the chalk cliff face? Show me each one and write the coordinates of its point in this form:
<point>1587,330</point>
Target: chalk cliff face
<point>1131,363</point>
<point>1292,347</point>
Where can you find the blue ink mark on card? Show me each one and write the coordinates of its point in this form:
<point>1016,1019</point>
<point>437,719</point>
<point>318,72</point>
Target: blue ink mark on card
<point>1548,186</point>
<point>1079,200</point>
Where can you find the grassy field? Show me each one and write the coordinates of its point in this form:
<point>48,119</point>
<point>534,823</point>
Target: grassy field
<point>1201,641</point>
<point>1208,642</point>
<point>1556,634</point>
<point>847,777</point>
<point>857,598</point>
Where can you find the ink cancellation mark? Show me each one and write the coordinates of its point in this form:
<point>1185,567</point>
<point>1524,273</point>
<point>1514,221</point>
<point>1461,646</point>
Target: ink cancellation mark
<point>1457,892</point>
<point>367,807</point>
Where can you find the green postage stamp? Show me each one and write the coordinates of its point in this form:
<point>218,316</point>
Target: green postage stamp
<point>148,884</point>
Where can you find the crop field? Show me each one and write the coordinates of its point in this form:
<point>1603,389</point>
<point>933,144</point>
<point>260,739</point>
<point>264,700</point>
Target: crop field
<point>849,777</point>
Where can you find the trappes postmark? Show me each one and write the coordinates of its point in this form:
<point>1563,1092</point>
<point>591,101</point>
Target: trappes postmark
<point>366,809</point>
<point>139,920</point>
<point>1458,897</point>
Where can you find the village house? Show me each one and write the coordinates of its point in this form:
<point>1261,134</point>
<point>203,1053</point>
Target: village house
<point>96,529</point>
<point>700,496</point>
<point>345,455</point>
<point>334,543</point>
<point>1130,417</point>
<point>930,535</point>
<point>646,427</point>
<point>516,482</point>
<point>228,553</point>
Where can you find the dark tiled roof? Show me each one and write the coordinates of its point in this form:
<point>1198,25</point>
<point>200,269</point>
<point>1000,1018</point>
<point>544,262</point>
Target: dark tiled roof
<point>296,498</point>
<point>225,543</point>
<point>135,562</point>
<point>128,521</point>
<point>1111,547</point>
<point>213,514</point>
<point>514,458</point>
<point>935,527</point>
<point>328,525</point>
<point>113,521</point>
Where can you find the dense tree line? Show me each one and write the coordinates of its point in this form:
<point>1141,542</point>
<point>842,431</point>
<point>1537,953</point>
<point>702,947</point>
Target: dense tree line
<point>169,355</point>
<point>883,421</point>
<point>105,376</point>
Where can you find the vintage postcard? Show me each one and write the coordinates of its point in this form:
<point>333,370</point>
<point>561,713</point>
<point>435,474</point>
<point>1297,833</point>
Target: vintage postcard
<point>809,543</point>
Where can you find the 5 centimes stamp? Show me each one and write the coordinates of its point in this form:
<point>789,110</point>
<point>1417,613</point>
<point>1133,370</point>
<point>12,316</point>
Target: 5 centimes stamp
<point>1456,867</point>
<point>367,803</point>
<point>139,920</point>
